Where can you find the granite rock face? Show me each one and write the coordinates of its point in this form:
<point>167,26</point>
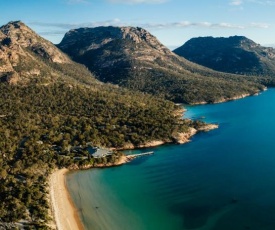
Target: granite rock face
<point>112,53</point>
<point>25,57</point>
<point>16,35</point>
<point>20,53</point>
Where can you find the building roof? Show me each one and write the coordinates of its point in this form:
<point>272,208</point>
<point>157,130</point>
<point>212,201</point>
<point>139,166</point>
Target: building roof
<point>99,153</point>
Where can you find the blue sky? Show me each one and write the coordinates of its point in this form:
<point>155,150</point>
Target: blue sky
<point>173,22</point>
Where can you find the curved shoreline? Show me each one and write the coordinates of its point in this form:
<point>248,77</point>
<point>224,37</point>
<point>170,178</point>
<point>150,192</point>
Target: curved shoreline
<point>64,211</point>
<point>63,208</point>
<point>222,100</point>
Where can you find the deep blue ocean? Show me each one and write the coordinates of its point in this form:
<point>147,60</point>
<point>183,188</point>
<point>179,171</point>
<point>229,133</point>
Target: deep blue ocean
<point>222,180</point>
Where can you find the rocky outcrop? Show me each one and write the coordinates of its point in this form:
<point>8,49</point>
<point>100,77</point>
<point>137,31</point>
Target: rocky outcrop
<point>179,138</point>
<point>222,100</point>
<point>145,145</point>
<point>152,144</point>
<point>208,127</point>
<point>182,138</point>
<point>16,36</point>
<point>86,39</point>
<point>27,57</point>
<point>10,77</point>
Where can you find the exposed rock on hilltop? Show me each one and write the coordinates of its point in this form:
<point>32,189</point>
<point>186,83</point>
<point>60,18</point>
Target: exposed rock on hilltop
<point>26,56</point>
<point>134,58</point>
<point>112,52</point>
<point>96,38</point>
<point>16,33</point>
<point>236,54</point>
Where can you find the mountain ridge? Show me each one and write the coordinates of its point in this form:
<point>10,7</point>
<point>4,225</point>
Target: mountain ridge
<point>133,58</point>
<point>235,54</point>
<point>17,31</point>
<point>26,57</point>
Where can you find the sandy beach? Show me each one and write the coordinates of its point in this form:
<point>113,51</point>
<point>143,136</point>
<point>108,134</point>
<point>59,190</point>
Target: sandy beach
<point>65,214</point>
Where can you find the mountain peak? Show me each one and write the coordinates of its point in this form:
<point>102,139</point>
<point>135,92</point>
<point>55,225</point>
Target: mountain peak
<point>23,53</point>
<point>15,27</point>
<point>109,50</point>
<point>16,36</point>
<point>126,32</point>
<point>97,37</point>
<point>15,24</point>
<point>209,40</point>
<point>235,54</point>
<point>132,57</point>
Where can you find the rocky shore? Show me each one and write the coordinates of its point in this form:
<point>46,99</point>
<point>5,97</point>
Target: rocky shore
<point>229,99</point>
<point>181,138</point>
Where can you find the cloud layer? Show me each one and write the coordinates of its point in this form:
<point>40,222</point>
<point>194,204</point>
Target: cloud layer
<point>260,2</point>
<point>64,27</point>
<point>236,2</point>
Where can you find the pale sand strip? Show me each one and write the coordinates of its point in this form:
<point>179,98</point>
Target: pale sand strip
<point>65,214</point>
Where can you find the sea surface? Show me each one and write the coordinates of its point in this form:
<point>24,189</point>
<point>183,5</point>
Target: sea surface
<point>221,180</point>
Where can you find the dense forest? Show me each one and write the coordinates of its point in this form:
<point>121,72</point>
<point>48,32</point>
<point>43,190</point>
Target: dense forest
<point>180,88</point>
<point>40,125</point>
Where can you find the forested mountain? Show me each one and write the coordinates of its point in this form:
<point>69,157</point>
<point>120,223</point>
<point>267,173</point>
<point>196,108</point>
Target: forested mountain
<point>133,58</point>
<point>49,105</point>
<point>236,54</point>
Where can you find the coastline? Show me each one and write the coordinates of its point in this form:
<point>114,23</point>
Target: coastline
<point>222,100</point>
<point>230,202</point>
<point>64,211</point>
<point>65,216</point>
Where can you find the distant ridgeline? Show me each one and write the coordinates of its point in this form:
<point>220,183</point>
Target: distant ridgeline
<point>236,54</point>
<point>133,58</point>
<point>51,107</point>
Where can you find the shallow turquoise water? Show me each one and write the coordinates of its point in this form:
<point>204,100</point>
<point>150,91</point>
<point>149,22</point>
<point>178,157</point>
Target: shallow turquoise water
<point>222,180</point>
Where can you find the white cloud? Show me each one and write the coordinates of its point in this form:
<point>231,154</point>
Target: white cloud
<point>77,2</point>
<point>236,2</point>
<point>260,2</point>
<point>62,28</point>
<point>186,24</point>
<point>68,26</point>
<point>260,25</point>
<point>263,2</point>
<point>138,1</point>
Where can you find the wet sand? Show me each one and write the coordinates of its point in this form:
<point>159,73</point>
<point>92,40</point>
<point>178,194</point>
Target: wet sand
<point>65,214</point>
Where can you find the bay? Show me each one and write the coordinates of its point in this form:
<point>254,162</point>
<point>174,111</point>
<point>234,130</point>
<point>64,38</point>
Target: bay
<point>223,179</point>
